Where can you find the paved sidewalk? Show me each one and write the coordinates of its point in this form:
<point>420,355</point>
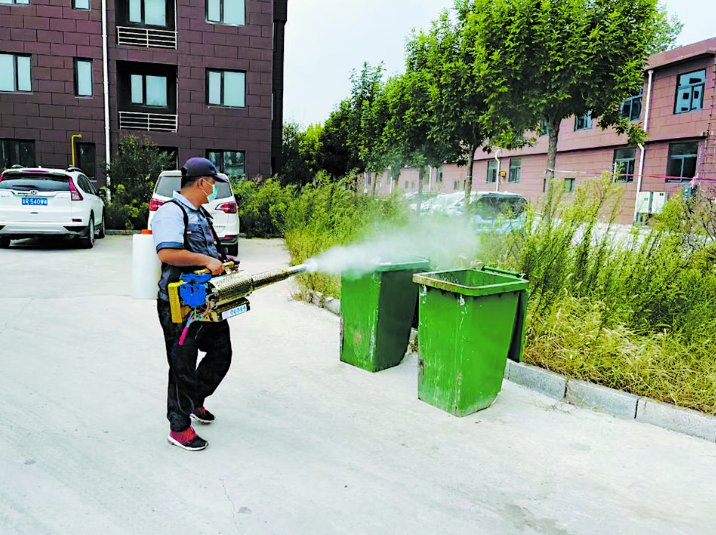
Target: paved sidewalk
<point>303,444</point>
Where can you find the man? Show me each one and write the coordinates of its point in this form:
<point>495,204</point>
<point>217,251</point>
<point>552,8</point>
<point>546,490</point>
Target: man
<point>185,242</point>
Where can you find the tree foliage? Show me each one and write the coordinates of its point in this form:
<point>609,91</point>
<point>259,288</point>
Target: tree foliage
<point>546,60</point>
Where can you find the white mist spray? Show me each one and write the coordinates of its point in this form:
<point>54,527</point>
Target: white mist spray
<point>441,241</point>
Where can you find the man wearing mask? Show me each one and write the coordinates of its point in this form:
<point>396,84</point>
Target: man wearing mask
<point>186,241</point>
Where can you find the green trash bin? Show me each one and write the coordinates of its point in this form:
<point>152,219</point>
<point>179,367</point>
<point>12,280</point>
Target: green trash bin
<point>377,312</point>
<point>471,321</point>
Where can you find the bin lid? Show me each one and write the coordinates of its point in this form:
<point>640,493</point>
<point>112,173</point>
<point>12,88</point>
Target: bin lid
<point>473,282</point>
<point>397,262</point>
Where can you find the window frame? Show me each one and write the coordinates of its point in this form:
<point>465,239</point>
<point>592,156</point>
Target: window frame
<point>630,101</point>
<point>221,14</point>
<point>9,152</point>
<point>620,177</point>
<point>221,166</point>
<point>691,87</point>
<point>681,178</point>
<point>569,185</point>
<point>15,3</point>
<point>491,166</point>
<point>517,168</point>
<point>588,123</point>
<point>76,61</point>
<point>223,87</point>
<point>15,73</point>
<point>86,145</point>
<point>88,8</point>
<point>144,91</point>
<point>168,14</point>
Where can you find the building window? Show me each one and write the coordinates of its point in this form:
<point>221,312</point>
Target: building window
<point>79,4</point>
<point>457,185</point>
<point>226,88</point>
<point>83,78</point>
<point>682,161</point>
<point>87,158</point>
<point>226,11</point>
<point>569,185</point>
<point>631,107</point>
<point>690,92</point>
<point>492,171</point>
<point>15,73</point>
<point>148,90</point>
<point>543,128</point>
<point>16,152</point>
<point>583,122</point>
<point>515,170</point>
<point>230,163</point>
<point>151,12</point>
<point>25,2</point>
<point>624,165</point>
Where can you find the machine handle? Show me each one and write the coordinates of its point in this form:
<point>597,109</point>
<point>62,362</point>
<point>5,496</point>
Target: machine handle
<point>227,266</point>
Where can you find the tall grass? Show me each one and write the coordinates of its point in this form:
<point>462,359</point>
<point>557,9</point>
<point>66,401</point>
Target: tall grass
<point>632,311</point>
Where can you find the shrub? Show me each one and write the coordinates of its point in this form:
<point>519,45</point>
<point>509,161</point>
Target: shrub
<point>263,207</point>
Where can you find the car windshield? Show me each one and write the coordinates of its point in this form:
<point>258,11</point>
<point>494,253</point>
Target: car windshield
<point>491,207</point>
<point>167,185</point>
<point>39,182</point>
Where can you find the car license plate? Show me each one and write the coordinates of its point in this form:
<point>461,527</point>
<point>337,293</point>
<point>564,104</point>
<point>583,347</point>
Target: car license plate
<point>234,312</point>
<point>34,201</point>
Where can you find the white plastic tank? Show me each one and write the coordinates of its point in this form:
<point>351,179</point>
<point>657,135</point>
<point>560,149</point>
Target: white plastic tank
<point>146,267</point>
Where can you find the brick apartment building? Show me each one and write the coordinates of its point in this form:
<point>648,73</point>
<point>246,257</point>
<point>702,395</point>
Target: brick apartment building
<point>199,77</point>
<point>677,108</point>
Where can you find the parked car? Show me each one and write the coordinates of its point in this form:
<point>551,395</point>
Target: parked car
<point>49,202</point>
<point>223,209</point>
<point>498,211</point>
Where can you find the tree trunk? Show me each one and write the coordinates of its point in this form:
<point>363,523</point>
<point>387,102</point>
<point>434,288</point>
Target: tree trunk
<point>468,178</point>
<point>553,124</point>
<point>420,190</point>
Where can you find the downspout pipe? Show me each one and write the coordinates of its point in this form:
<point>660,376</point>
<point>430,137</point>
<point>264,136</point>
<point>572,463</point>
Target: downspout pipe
<point>105,85</point>
<point>641,147</point>
<point>497,177</point>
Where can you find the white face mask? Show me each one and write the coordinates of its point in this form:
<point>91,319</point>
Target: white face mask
<point>214,192</point>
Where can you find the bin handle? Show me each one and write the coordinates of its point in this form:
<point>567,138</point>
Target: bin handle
<point>504,272</point>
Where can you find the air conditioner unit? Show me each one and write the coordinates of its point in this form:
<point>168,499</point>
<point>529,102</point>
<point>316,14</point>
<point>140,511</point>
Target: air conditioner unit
<point>651,202</point>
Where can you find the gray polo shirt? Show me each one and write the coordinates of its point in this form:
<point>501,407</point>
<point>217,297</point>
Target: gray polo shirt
<point>168,233</point>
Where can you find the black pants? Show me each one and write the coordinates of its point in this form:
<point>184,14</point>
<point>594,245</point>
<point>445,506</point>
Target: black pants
<point>189,385</point>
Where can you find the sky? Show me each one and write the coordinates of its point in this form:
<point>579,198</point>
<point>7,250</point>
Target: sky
<point>327,39</point>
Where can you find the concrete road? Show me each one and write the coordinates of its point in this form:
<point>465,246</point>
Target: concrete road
<point>303,444</point>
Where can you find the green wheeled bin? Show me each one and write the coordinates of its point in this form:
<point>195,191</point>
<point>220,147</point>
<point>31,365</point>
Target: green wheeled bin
<point>471,321</point>
<point>377,312</point>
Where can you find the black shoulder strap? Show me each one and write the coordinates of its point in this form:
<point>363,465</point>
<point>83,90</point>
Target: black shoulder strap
<point>219,248</point>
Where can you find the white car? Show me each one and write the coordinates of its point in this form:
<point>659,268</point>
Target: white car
<point>223,209</point>
<point>49,202</point>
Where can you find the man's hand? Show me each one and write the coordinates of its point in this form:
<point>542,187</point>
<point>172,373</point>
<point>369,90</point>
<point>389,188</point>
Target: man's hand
<point>214,265</point>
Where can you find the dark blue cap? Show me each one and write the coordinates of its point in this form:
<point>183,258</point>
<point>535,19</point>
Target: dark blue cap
<point>200,167</point>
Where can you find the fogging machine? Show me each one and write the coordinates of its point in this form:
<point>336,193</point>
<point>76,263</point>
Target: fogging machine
<point>204,297</point>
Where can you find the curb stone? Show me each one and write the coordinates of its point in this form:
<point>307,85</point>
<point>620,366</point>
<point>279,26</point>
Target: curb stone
<point>116,232</point>
<point>593,396</point>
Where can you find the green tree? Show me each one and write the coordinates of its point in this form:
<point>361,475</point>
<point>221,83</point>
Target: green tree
<point>297,156</point>
<point>133,172</point>
<point>451,117</point>
<point>347,138</point>
<point>546,60</point>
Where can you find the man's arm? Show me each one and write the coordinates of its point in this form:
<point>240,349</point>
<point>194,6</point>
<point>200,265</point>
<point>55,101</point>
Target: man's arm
<point>182,257</point>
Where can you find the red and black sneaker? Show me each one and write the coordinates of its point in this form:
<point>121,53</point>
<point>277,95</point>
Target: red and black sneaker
<point>202,416</point>
<point>187,439</point>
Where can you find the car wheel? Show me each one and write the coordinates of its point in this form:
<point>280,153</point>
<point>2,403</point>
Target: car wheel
<point>4,243</point>
<point>232,250</point>
<point>87,242</point>
<point>101,233</point>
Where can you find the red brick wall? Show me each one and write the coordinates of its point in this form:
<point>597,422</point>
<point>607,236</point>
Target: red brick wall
<point>54,34</point>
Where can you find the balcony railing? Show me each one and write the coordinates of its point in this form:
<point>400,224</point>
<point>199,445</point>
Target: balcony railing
<point>152,122</point>
<point>146,37</point>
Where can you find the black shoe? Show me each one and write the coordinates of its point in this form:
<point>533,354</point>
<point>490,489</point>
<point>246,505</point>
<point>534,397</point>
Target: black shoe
<point>202,416</point>
<point>187,439</point>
